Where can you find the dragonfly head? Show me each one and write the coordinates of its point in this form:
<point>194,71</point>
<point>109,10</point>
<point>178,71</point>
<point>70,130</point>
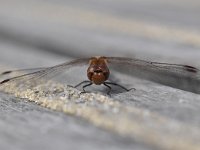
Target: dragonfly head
<point>98,71</point>
<point>98,76</point>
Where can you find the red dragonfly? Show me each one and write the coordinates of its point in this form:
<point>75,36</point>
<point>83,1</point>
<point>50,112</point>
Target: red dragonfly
<point>98,71</point>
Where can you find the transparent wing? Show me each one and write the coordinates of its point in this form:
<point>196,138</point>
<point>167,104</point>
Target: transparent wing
<point>178,76</point>
<point>35,78</point>
<point>18,72</point>
<point>164,68</point>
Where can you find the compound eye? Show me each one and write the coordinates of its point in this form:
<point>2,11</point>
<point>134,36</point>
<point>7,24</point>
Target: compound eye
<point>90,74</point>
<point>106,75</point>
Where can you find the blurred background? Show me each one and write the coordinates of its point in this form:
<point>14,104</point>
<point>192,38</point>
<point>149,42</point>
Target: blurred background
<point>150,29</point>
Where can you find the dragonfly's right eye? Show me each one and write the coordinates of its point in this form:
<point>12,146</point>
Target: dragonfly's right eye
<point>90,74</point>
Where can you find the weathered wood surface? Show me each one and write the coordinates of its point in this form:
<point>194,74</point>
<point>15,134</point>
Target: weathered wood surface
<point>152,117</point>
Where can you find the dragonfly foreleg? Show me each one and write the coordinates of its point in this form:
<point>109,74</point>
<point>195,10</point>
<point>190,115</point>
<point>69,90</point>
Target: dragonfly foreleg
<point>108,88</point>
<point>112,83</point>
<point>83,88</point>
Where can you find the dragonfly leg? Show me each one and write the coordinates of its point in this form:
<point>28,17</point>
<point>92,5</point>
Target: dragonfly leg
<point>86,81</point>
<point>111,83</point>
<point>108,88</point>
<point>85,87</point>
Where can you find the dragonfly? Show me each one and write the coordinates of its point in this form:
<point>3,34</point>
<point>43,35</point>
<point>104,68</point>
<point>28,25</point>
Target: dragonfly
<point>98,71</point>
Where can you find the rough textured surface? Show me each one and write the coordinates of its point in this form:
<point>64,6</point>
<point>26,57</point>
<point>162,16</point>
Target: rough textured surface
<point>25,125</point>
<point>152,117</point>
